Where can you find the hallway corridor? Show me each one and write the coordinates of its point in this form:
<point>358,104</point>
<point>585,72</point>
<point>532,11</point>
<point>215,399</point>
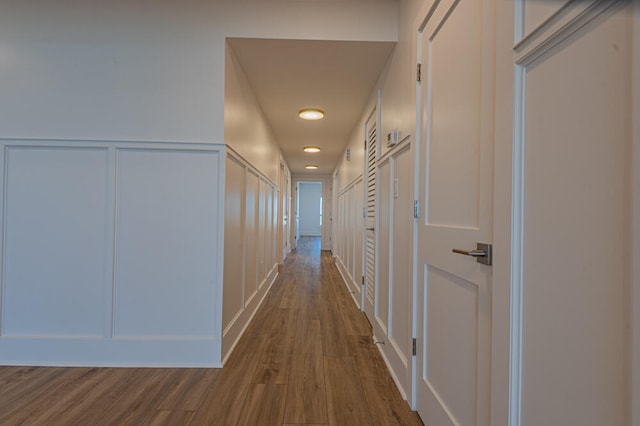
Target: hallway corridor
<point>306,358</point>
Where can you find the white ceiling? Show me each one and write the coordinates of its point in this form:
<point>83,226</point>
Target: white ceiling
<point>336,76</point>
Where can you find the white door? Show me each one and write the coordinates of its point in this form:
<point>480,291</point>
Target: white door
<point>455,187</point>
<point>297,233</point>
<point>371,134</point>
<point>392,320</point>
<point>564,184</point>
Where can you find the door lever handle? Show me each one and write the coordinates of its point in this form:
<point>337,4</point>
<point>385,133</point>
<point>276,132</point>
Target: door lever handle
<point>482,253</point>
<point>370,229</point>
<point>474,253</point>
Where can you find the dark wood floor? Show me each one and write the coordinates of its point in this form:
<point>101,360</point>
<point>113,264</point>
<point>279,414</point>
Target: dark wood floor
<point>307,358</point>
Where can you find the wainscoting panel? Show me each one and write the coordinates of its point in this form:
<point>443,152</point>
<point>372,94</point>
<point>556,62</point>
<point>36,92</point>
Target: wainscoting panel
<point>111,253</point>
<point>250,254</point>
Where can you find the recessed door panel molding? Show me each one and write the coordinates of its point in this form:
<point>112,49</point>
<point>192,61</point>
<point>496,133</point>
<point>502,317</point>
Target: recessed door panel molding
<point>452,327</point>
<point>572,159</point>
<point>455,94</point>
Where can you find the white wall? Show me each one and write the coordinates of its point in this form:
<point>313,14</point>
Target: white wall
<point>245,127</point>
<point>309,202</point>
<point>150,70</point>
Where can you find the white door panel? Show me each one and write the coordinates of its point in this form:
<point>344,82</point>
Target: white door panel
<point>452,324</point>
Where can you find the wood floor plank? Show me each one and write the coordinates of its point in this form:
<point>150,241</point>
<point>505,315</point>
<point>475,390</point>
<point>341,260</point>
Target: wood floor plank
<point>92,406</point>
<point>264,405</point>
<point>137,406</point>
<point>69,386</point>
<point>274,365</point>
<point>17,398</point>
<point>346,401</point>
<point>306,391</point>
<point>334,341</point>
<point>187,389</point>
<point>171,418</point>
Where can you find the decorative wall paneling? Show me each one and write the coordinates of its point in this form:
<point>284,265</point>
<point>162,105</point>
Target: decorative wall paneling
<point>392,322</point>
<point>111,253</point>
<point>349,221</point>
<point>251,257</point>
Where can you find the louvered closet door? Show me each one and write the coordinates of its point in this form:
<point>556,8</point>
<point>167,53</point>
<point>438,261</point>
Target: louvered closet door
<point>371,133</point>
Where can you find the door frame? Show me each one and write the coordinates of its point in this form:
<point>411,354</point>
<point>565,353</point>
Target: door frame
<point>326,242</point>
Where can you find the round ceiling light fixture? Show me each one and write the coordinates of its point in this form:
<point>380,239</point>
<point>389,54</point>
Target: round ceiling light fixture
<point>311,148</point>
<point>311,114</point>
<point>311,167</point>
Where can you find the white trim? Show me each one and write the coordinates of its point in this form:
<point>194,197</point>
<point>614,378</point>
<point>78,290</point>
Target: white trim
<point>517,255</point>
<point>568,20</point>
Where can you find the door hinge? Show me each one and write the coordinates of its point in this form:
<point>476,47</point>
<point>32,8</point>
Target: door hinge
<point>415,347</point>
<point>363,280</point>
<point>419,73</point>
<point>416,209</point>
<point>364,212</point>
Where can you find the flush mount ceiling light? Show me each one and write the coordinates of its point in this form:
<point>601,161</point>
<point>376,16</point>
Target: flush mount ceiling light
<point>311,114</point>
<point>311,167</point>
<point>311,149</point>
